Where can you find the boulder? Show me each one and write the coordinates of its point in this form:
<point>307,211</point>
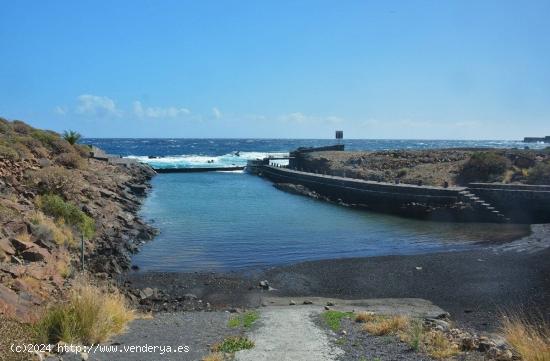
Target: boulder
<point>146,293</point>
<point>35,254</point>
<point>19,245</point>
<point>6,246</point>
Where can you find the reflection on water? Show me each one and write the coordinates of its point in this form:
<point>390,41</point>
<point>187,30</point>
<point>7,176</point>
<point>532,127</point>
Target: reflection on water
<point>231,221</point>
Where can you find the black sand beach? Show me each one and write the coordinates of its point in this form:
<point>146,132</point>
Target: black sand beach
<point>473,286</point>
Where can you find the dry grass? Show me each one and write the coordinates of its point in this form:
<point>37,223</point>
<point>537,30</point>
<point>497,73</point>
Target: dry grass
<point>365,316</point>
<point>438,346</point>
<point>46,227</point>
<point>531,339</point>
<point>385,325</point>
<point>432,342</point>
<point>91,315</point>
<point>216,356</point>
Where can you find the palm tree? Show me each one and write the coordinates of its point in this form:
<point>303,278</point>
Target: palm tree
<point>71,136</point>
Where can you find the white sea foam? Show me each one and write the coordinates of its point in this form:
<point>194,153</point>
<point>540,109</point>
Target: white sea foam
<point>195,160</point>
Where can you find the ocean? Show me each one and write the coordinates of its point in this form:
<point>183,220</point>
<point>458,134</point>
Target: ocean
<point>231,221</point>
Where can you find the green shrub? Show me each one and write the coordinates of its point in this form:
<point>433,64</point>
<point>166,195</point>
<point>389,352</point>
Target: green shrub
<point>483,167</point>
<point>539,174</point>
<point>53,205</point>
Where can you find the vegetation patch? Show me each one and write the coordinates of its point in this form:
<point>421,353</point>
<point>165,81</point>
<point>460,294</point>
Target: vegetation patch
<point>55,180</point>
<point>432,342</point>
<point>215,356</point>
<point>245,320</point>
<point>333,319</point>
<point>529,338</point>
<point>385,325</point>
<point>58,231</point>
<point>484,167</point>
<point>90,315</point>
<point>539,174</point>
<point>53,205</point>
<point>233,344</point>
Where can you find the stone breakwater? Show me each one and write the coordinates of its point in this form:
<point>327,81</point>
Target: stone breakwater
<point>428,184</point>
<point>39,256</point>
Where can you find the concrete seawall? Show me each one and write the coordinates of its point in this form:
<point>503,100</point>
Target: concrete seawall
<point>479,202</point>
<point>521,203</point>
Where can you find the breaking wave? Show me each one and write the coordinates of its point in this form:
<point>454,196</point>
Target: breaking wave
<point>201,161</point>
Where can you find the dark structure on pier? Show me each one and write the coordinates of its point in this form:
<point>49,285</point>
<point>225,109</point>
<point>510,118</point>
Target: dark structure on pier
<point>537,139</point>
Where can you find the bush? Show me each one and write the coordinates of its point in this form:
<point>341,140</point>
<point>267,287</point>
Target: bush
<point>52,141</point>
<point>56,180</point>
<point>539,174</point>
<point>7,152</point>
<point>21,127</point>
<point>89,316</point>
<point>70,160</point>
<point>53,205</point>
<point>46,228</point>
<point>483,167</point>
<point>33,145</point>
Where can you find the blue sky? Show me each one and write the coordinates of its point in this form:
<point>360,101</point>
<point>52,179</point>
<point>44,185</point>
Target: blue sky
<point>282,69</point>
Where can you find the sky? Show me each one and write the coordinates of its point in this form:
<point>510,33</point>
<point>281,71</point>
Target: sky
<point>414,69</point>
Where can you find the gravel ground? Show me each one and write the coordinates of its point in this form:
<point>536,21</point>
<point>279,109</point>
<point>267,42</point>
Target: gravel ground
<point>358,345</point>
<point>198,330</point>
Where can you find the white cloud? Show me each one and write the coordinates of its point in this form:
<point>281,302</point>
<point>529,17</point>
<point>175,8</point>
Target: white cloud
<point>301,118</point>
<point>96,105</point>
<point>61,110</point>
<point>217,113</point>
<point>159,112</point>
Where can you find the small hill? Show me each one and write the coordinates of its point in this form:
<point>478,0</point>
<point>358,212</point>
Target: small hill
<point>53,195</point>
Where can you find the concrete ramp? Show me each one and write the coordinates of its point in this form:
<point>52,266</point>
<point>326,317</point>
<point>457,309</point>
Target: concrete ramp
<point>289,334</point>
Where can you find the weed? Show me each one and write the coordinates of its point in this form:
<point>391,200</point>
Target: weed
<point>530,338</point>
<point>233,344</point>
<point>438,346</point>
<point>245,320</point>
<point>334,319</point>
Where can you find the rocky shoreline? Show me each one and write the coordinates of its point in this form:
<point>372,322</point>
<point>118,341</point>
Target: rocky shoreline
<point>51,194</point>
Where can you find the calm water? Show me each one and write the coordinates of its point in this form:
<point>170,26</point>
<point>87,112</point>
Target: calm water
<point>232,220</point>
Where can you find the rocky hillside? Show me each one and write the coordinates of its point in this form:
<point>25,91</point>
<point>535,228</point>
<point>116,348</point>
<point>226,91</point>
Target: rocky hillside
<point>436,166</point>
<point>52,194</point>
